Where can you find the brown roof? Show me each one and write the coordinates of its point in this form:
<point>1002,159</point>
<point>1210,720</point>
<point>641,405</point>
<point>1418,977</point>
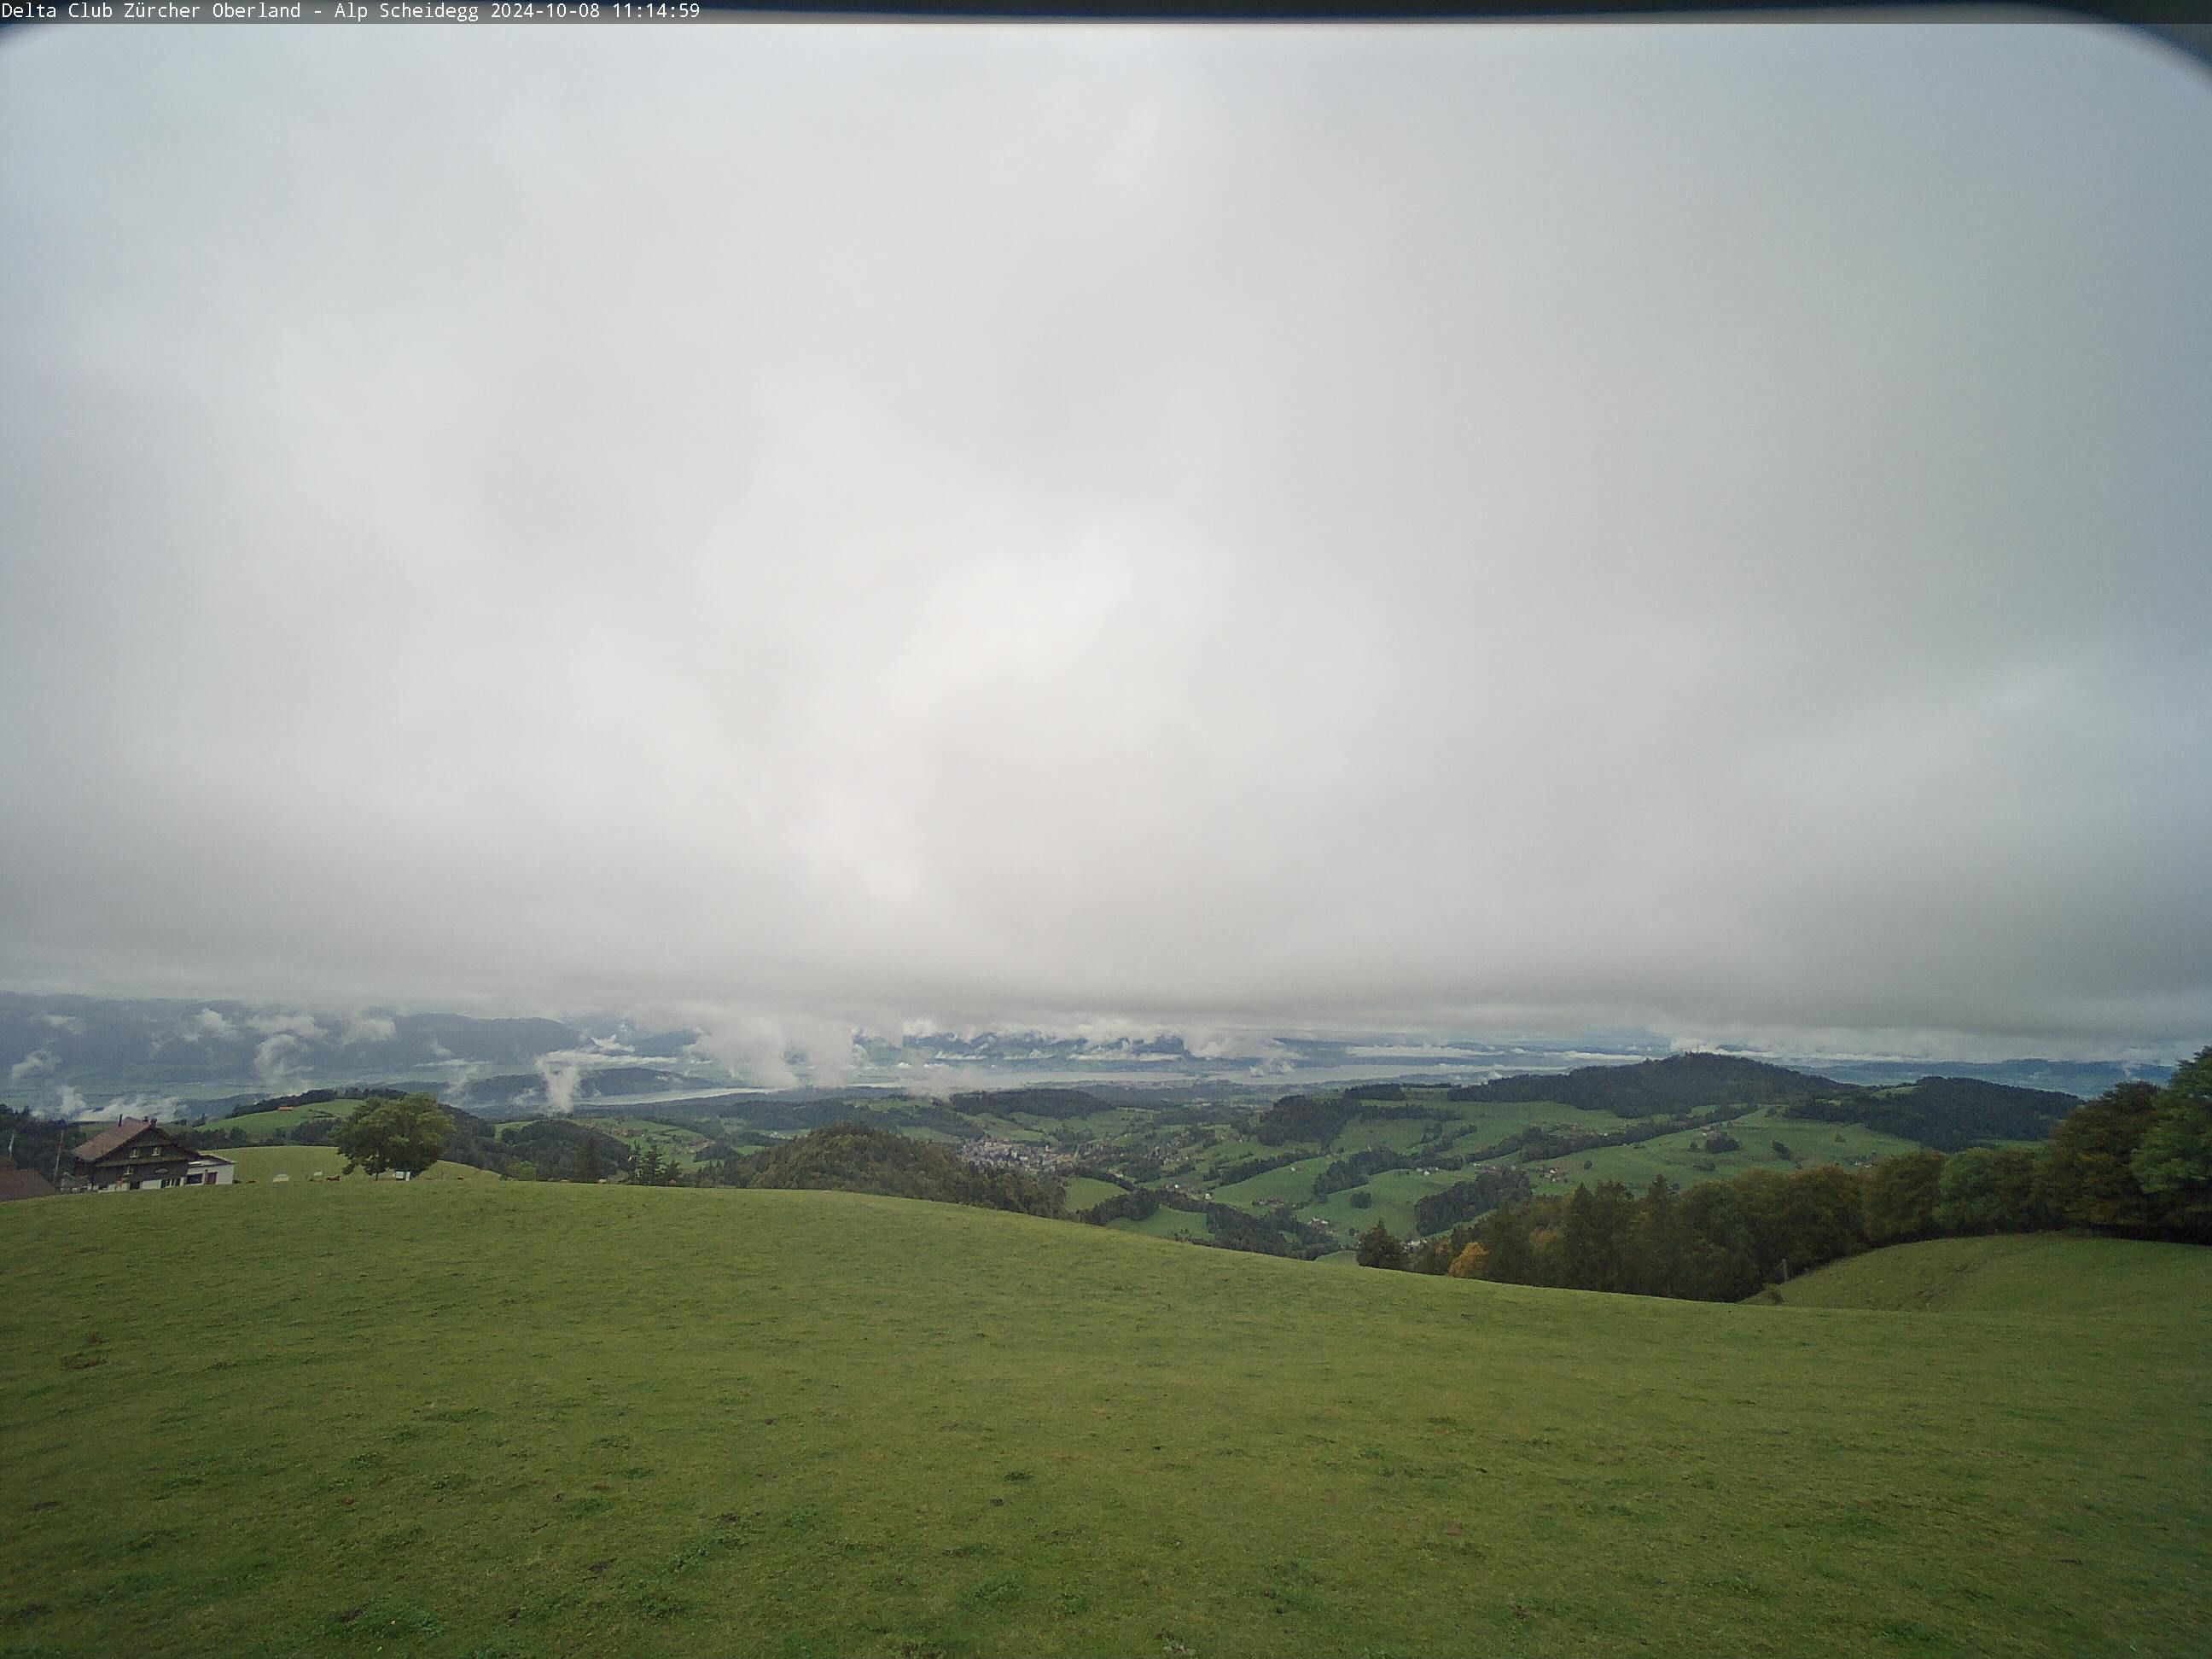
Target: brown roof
<point>108,1140</point>
<point>24,1183</point>
<point>124,1131</point>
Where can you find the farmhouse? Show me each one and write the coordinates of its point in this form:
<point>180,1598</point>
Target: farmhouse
<point>21,1183</point>
<point>139,1152</point>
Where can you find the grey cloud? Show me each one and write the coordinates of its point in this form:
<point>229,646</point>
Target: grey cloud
<point>153,1106</point>
<point>208,1024</point>
<point>276,1061</point>
<point>31,1065</point>
<point>305,1027</point>
<point>562,1075</point>
<point>369,1027</point>
<point>1453,529</point>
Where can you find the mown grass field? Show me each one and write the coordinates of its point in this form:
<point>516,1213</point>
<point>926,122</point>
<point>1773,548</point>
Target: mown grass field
<point>680,1147</point>
<point>1293,1182</point>
<point>1083,1191</point>
<point>284,1118</point>
<point>1394,1193</point>
<point>504,1417</point>
<point>1165,1223</point>
<point>1485,1121</point>
<point>1677,1155</point>
<point>2037,1275</point>
<point>261,1164</point>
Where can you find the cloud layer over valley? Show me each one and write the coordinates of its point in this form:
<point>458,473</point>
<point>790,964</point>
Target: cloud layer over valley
<point>780,529</point>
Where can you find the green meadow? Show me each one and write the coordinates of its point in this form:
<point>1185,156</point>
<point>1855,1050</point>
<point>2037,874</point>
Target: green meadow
<point>1679,1157</point>
<point>681,1145</point>
<point>261,1164</point>
<point>1399,1134</point>
<point>1165,1223</point>
<point>282,1118</point>
<point>1084,1191</point>
<point>1293,1182</point>
<point>2028,1275</point>
<point>1393,1193</point>
<point>499,1417</point>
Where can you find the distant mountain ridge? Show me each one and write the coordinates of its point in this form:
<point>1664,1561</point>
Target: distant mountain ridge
<point>83,1055</point>
<point>1946,1113</point>
<point>74,1054</point>
<point>1653,1088</point>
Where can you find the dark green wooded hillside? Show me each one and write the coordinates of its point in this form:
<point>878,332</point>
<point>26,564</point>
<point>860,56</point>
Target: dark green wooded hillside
<point>1656,1088</point>
<point>853,1157</point>
<point>1033,1102</point>
<point>1946,1113</point>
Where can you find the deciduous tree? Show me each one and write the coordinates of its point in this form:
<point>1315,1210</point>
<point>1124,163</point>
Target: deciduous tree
<point>1901,1195</point>
<point>1990,1189</point>
<point>406,1135</point>
<point>2089,1175</point>
<point>2174,1163</point>
<point>1378,1248</point>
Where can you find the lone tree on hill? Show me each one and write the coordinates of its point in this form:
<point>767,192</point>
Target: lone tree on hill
<point>587,1160</point>
<point>408,1134</point>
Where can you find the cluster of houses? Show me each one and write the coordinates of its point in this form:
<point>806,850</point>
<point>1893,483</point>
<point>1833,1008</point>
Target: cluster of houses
<point>1013,1154</point>
<point>127,1157</point>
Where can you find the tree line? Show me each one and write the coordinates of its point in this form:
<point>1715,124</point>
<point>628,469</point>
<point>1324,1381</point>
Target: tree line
<point>1949,1114</point>
<point>1322,1117</point>
<point>1226,1226</point>
<point>318,1097</point>
<point>2135,1162</point>
<point>860,1159</point>
<point>1680,1083</point>
<point>1464,1201</point>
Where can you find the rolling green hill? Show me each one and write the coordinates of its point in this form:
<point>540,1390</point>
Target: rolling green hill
<point>504,1417</point>
<point>1409,1140</point>
<point>284,1120</point>
<point>1679,1082</point>
<point>857,1159</point>
<point>257,1164</point>
<point>2032,1275</point>
<point>1083,1191</point>
<point>1946,1113</point>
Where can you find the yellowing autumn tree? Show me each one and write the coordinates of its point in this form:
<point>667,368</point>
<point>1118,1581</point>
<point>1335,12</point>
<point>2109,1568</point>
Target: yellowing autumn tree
<point>1468,1264</point>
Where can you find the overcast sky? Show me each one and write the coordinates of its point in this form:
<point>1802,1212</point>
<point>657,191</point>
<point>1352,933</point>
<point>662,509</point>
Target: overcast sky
<point>1451,529</point>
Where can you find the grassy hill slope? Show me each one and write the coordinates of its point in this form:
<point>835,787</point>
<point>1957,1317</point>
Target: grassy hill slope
<point>257,1164</point>
<point>2035,1275</point>
<point>282,1119</point>
<point>500,1418</point>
